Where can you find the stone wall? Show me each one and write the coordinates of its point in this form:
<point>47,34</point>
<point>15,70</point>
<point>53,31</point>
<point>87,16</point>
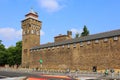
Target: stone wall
<point>103,53</point>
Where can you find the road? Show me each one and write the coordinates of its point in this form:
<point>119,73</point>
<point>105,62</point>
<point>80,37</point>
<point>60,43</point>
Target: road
<point>38,74</point>
<point>17,74</point>
<point>11,74</point>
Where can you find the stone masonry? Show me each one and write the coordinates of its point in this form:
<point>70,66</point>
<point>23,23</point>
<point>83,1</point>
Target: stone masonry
<point>101,50</point>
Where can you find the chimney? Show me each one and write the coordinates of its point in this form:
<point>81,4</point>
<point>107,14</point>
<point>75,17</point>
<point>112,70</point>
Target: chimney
<point>69,33</point>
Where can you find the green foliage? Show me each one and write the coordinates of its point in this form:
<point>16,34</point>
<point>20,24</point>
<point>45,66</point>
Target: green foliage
<point>2,47</point>
<point>85,31</point>
<point>3,58</point>
<point>12,55</point>
<point>3,54</point>
<point>0,41</point>
<point>15,54</point>
<point>77,35</point>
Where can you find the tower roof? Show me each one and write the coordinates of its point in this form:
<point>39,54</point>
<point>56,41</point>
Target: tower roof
<point>32,11</point>
<point>32,14</point>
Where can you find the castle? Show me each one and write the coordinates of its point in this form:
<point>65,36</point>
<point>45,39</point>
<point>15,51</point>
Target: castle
<point>101,50</point>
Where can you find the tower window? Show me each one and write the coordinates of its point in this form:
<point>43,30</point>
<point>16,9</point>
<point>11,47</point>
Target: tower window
<point>23,32</point>
<point>32,32</point>
<point>37,32</point>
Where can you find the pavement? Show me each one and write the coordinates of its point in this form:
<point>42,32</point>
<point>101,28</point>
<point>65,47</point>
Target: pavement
<point>12,74</point>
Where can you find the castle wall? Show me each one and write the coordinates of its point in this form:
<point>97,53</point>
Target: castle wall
<point>103,53</point>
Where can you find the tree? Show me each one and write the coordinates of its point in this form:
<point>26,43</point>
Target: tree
<point>3,54</point>
<point>12,55</point>
<point>0,41</point>
<point>11,52</point>
<point>85,31</point>
<point>77,35</point>
<point>2,47</point>
<point>3,58</point>
<point>19,52</point>
<point>15,54</point>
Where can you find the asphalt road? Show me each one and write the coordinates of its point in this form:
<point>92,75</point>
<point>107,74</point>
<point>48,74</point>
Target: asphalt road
<point>6,74</point>
<point>17,74</point>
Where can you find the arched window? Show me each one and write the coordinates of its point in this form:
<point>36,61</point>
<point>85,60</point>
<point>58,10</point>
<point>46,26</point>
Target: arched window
<point>37,32</point>
<point>23,32</point>
<point>32,32</point>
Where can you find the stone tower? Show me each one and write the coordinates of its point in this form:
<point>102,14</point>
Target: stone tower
<point>30,35</point>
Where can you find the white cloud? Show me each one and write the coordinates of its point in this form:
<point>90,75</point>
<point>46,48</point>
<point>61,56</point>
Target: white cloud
<point>51,5</point>
<point>76,30</point>
<point>42,32</point>
<point>10,36</point>
<point>10,33</point>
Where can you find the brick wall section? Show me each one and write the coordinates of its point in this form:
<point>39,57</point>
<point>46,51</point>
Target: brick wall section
<point>101,54</point>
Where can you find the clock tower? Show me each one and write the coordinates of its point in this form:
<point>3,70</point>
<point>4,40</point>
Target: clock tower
<point>30,35</point>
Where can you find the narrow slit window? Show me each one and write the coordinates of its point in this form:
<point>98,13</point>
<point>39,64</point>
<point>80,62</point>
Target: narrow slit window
<point>115,38</point>
<point>81,43</point>
<point>68,46</point>
<point>88,42</point>
<point>74,45</point>
<point>96,41</point>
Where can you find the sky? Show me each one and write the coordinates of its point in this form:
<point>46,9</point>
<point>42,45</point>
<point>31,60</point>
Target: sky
<point>58,16</point>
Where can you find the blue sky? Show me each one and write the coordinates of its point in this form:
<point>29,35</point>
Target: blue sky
<point>57,17</point>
